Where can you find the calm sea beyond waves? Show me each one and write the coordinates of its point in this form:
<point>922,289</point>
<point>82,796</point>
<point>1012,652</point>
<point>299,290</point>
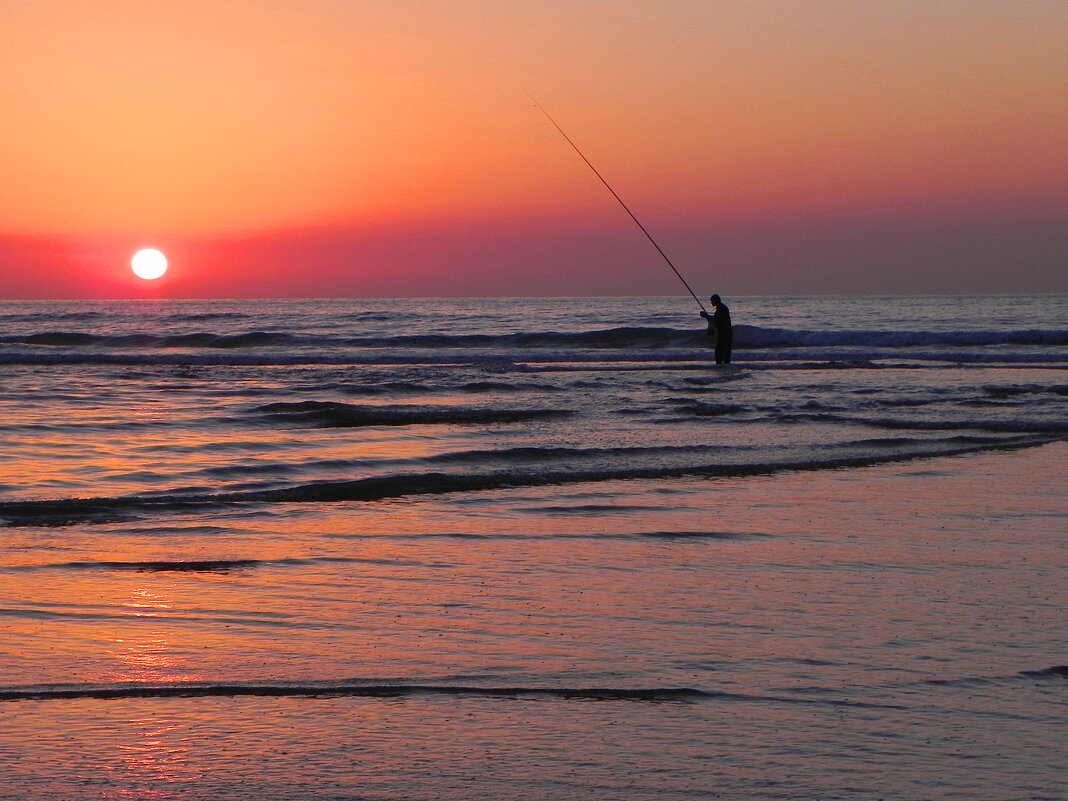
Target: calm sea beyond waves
<point>534,550</point>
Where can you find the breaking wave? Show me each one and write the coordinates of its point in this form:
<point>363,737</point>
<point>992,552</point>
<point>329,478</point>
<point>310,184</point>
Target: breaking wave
<point>339,688</point>
<point>69,511</point>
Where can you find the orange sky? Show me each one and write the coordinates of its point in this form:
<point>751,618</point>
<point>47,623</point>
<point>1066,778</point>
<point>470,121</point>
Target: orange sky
<point>302,148</point>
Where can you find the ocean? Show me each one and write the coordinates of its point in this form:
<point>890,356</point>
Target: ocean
<point>534,549</point>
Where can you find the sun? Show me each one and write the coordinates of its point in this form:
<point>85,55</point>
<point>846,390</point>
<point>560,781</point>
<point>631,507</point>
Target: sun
<point>148,264</point>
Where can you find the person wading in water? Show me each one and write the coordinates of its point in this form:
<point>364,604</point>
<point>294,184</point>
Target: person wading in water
<point>719,326</point>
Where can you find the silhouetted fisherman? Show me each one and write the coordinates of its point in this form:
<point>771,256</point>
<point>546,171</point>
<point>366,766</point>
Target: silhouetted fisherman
<point>719,326</point>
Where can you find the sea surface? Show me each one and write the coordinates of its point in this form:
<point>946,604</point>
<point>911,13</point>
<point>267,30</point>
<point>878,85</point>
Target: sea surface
<point>534,549</point>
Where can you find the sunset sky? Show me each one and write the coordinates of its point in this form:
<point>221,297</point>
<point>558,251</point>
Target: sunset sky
<point>357,148</point>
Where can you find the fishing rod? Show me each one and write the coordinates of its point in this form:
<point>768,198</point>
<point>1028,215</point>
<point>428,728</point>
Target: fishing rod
<point>621,203</point>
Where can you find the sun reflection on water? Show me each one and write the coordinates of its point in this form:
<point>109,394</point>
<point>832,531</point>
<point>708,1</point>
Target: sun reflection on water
<point>145,655</point>
<point>154,755</point>
<point>154,760</point>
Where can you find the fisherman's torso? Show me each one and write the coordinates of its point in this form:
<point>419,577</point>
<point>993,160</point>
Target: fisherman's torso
<point>721,320</point>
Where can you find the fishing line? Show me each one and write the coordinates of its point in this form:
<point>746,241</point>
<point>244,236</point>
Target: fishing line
<point>621,203</point>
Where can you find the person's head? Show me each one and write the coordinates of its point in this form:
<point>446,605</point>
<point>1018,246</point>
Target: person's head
<point>714,300</point>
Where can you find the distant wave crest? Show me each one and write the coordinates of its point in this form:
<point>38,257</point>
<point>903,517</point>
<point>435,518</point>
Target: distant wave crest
<point>330,414</point>
<point>755,337</point>
<point>623,337</point>
<point>521,351</point>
